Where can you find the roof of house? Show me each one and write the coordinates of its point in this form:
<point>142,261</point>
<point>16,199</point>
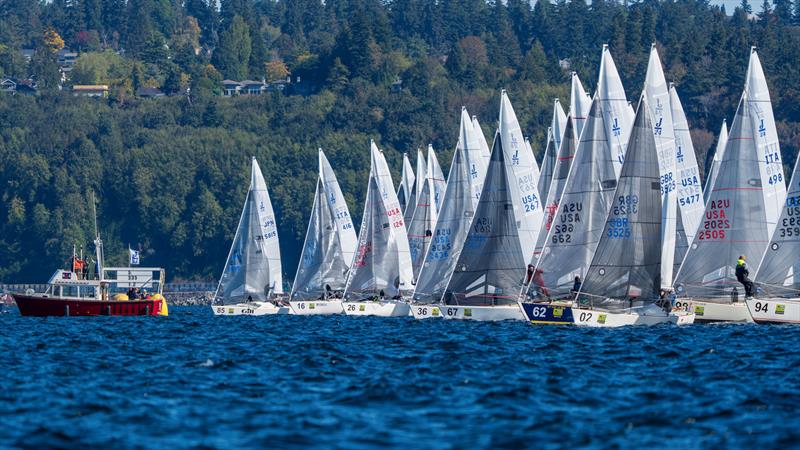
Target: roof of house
<point>149,92</point>
<point>230,82</point>
<point>90,87</point>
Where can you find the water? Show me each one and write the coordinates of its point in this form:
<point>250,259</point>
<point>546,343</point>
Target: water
<point>192,380</point>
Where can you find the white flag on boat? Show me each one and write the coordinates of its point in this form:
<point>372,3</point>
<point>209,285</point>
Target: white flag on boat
<point>134,256</point>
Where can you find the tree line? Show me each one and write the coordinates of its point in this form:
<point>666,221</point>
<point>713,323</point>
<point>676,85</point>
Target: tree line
<point>171,174</point>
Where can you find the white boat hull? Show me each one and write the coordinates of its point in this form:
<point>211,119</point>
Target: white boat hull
<point>774,310</point>
<point>482,313</point>
<point>316,307</point>
<point>390,308</point>
<point>707,311</point>
<point>419,311</point>
<point>636,316</point>
<point>250,309</point>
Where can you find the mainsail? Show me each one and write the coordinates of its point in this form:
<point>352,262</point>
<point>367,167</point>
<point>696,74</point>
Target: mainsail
<point>420,230</point>
<point>406,183</point>
<point>554,135</point>
<point>464,185</point>
<point>742,211</point>
<point>627,262</point>
<point>564,158</point>
<point>330,240</point>
<point>582,210</point>
<point>527,203</point>
<point>579,104</point>
<point>657,97</point>
<point>690,190</point>
<point>422,171</point>
<point>779,271</point>
<point>617,113</point>
<point>253,268</point>
<point>491,265</point>
<point>482,141</point>
<point>382,263</point>
<point>722,142</point>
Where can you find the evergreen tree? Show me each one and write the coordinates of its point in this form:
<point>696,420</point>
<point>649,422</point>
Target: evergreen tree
<point>745,6</point>
<point>783,11</point>
<point>233,55</point>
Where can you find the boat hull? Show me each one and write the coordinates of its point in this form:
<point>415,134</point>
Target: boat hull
<point>774,310</point>
<point>636,316</point>
<point>482,313</point>
<point>707,311</point>
<point>316,307</point>
<point>250,309</point>
<point>36,306</point>
<point>420,311</point>
<point>390,308</point>
<point>547,313</point>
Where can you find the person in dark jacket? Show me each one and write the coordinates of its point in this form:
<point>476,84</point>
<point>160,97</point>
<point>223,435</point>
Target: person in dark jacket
<point>743,274</point>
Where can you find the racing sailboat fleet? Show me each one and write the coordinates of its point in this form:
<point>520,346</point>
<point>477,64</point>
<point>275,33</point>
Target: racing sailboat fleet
<point>616,229</point>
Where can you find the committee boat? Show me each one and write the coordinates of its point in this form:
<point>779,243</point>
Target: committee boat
<point>328,249</point>
<point>742,211</point>
<point>251,282</point>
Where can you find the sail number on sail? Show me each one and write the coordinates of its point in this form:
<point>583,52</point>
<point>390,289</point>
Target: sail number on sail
<point>716,221</point>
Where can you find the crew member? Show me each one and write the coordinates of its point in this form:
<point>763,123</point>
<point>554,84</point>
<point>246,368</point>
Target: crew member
<point>742,275</point>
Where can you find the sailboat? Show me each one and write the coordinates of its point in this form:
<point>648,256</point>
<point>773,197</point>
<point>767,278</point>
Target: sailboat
<point>406,183</point>
<point>778,276</point>
<point>742,211</point>
<point>327,251</point>
<point>423,222</point>
<point>624,278</point>
<point>719,152</point>
<point>381,273</point>
<point>464,186</point>
<point>251,282</point>
<point>548,296</point>
<point>554,135</point>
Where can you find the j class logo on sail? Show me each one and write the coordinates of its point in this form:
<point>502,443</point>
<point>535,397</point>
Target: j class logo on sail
<point>332,198</point>
<point>762,129</point>
<point>619,228</point>
<point>679,154</point>
<point>657,129</point>
<point>715,222</point>
<point>363,254</point>
<point>440,245</point>
<point>626,204</point>
<point>515,147</point>
<point>616,130</point>
<point>473,171</point>
<point>396,217</point>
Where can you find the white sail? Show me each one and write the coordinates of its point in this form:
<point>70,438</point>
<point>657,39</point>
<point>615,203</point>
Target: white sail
<point>564,157</point>
<point>616,111</point>
<point>382,263</point>
<point>690,190</point>
<point>419,182</point>
<point>330,240</point>
<point>582,212</point>
<point>491,265</point>
<point>579,104</point>
<point>482,140</point>
<point>527,203</point>
<point>657,94</point>
<point>253,268</point>
<point>554,135</point>
<point>464,185</point>
<point>626,263</point>
<point>779,271</point>
<point>420,230</point>
<point>719,152</point>
<point>406,183</point>
<point>740,215</point>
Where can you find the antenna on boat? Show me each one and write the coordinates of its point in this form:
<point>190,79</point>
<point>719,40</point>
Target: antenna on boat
<point>98,243</point>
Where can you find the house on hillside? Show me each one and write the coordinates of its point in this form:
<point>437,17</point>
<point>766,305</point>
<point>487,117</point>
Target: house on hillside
<point>13,86</point>
<point>231,88</point>
<point>249,87</point>
<point>90,90</point>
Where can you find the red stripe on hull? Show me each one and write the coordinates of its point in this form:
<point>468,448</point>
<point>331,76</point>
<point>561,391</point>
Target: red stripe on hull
<point>43,307</point>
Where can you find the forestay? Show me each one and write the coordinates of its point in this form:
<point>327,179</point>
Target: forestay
<point>779,271</point>
<point>491,265</point>
<point>627,262</point>
<point>253,268</point>
<point>464,186</point>
<point>579,104</point>
<point>382,263</point>
<point>554,136</point>
<point>617,113</point>
<point>406,183</point>
<point>722,141</point>
<point>582,212</point>
<point>330,240</point>
<point>420,230</point>
<point>741,214</point>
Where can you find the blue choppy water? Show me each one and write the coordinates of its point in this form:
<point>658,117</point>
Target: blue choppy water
<point>192,380</point>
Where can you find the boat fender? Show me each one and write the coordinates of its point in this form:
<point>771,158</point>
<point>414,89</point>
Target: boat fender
<point>164,311</point>
<point>121,297</point>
